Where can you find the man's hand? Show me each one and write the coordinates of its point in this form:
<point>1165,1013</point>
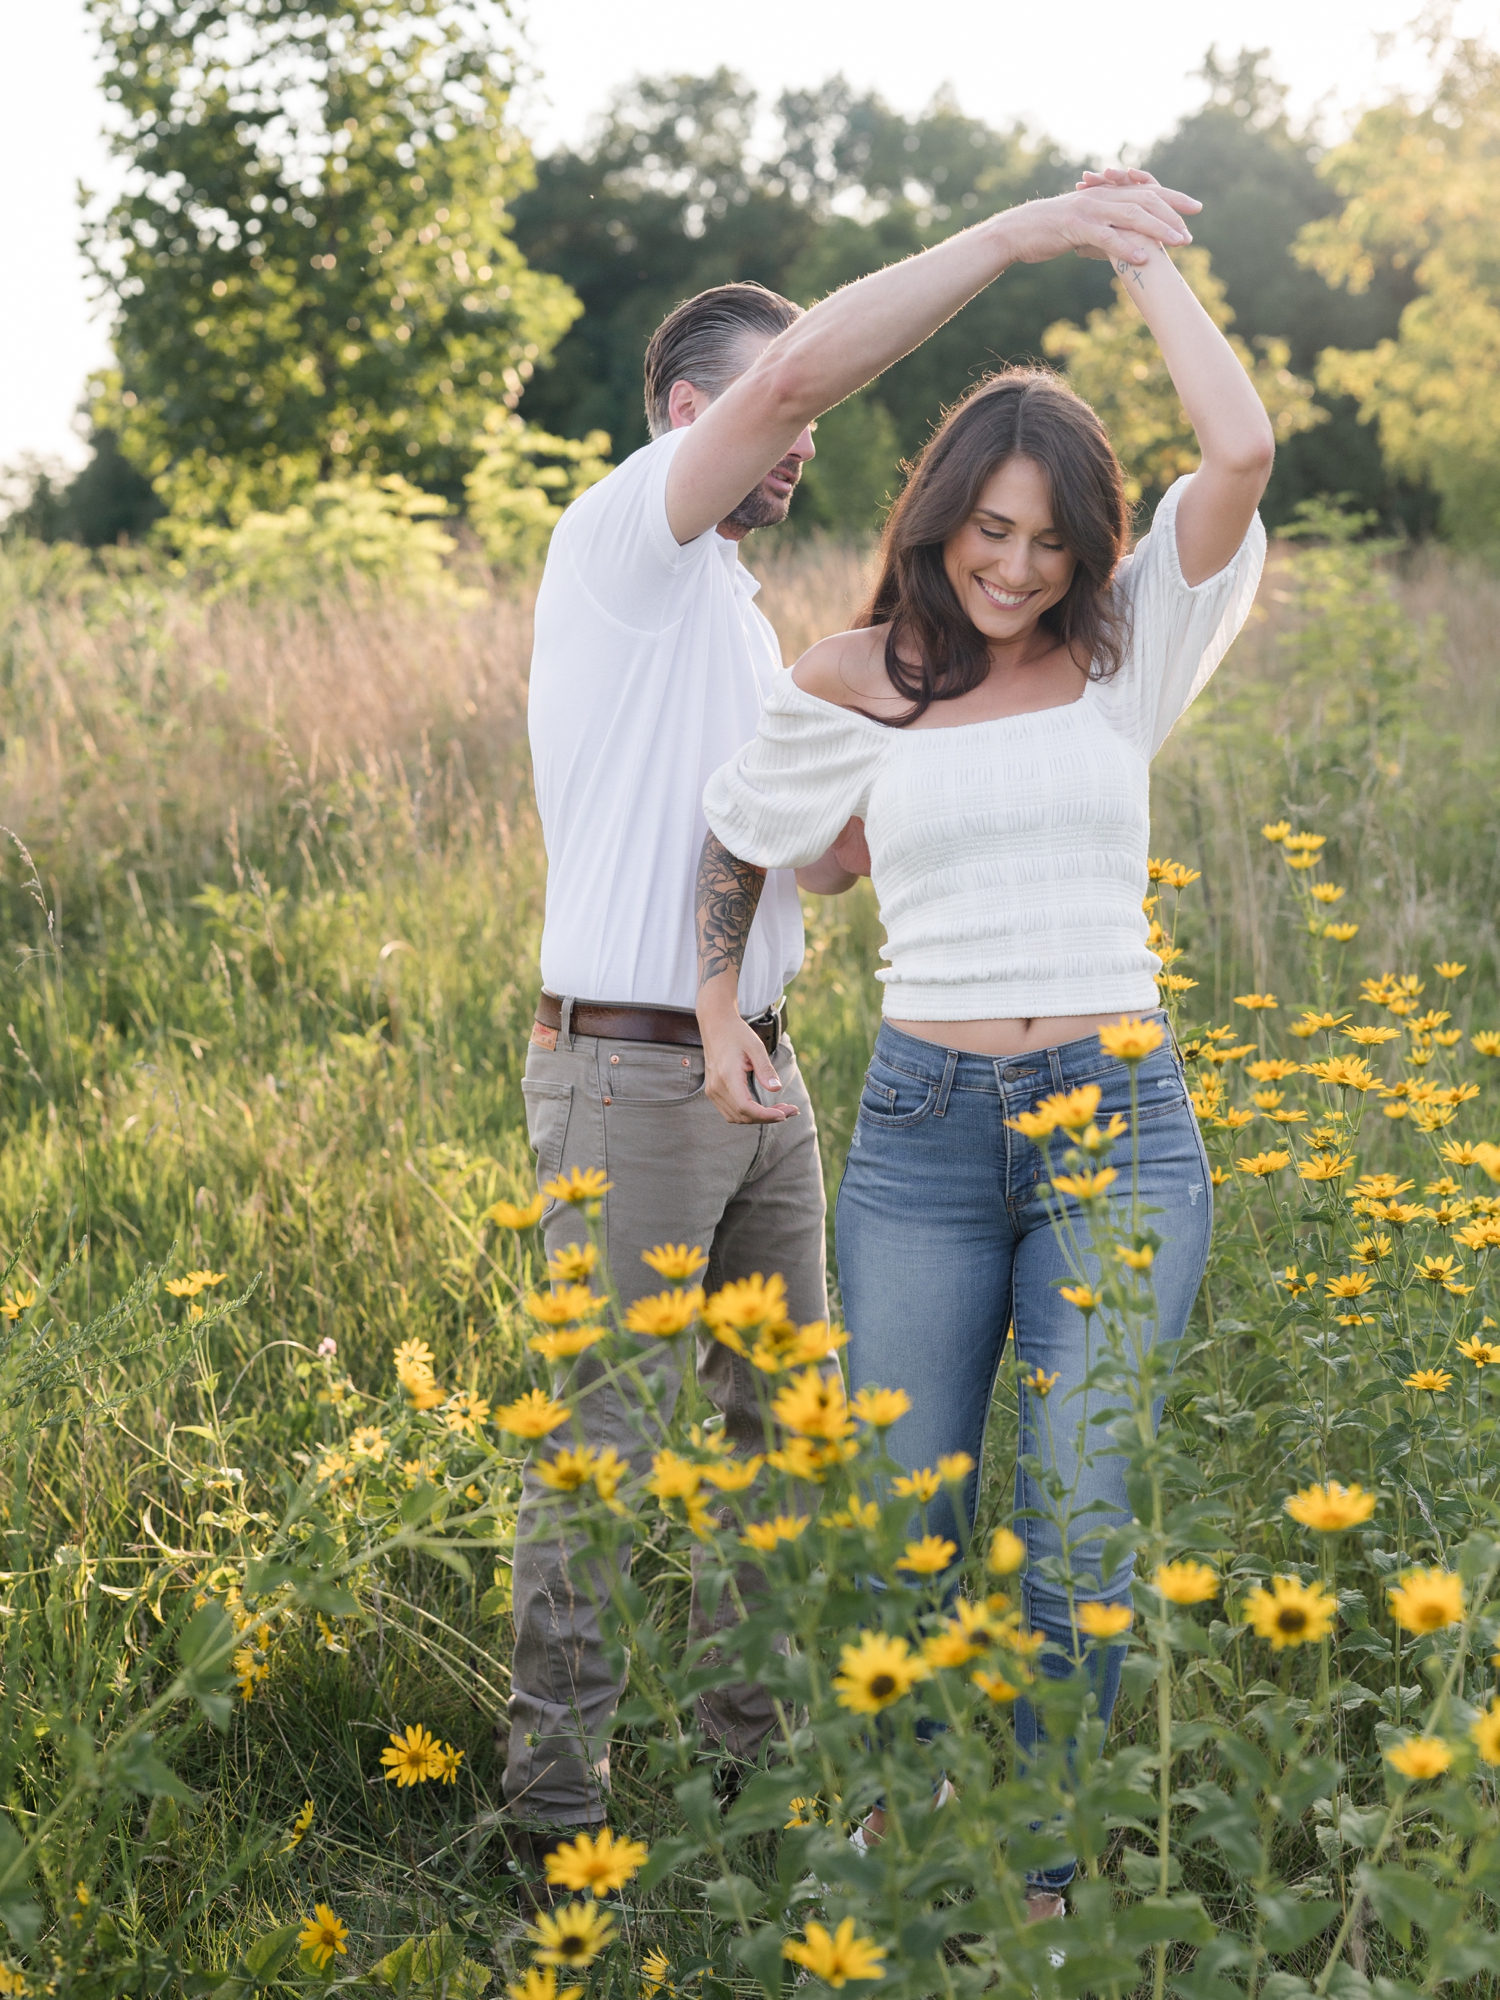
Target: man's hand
<point>1123,213</point>
<point>732,1054</point>
<point>725,902</point>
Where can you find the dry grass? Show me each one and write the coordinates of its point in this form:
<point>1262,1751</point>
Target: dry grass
<point>148,736</point>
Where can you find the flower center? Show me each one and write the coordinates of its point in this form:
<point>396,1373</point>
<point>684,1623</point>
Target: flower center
<point>1291,1618</point>
<point>883,1686</point>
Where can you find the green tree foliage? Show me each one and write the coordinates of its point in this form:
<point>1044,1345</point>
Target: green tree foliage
<point>1115,364</point>
<point>523,480</point>
<point>312,261</point>
<point>667,198</point>
<point>1420,187</point>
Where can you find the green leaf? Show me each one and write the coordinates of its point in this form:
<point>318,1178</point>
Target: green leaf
<point>760,1954</point>
<point>734,1899</point>
<point>1179,1918</point>
<point>699,1807</point>
<point>666,1857</point>
<point>1289,1921</point>
<point>135,1763</point>
<point>267,1955</point>
<point>430,1968</point>
<point>1401,1898</point>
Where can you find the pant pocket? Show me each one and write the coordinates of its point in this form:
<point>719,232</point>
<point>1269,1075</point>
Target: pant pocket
<point>548,1108</point>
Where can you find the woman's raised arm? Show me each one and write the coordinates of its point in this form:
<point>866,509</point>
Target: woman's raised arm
<point>1234,433</point>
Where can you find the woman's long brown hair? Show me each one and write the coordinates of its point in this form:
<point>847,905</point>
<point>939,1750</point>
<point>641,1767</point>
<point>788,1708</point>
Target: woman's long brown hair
<point>933,651</point>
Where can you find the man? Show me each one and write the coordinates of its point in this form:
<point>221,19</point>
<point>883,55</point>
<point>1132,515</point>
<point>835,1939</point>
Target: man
<point>650,663</point>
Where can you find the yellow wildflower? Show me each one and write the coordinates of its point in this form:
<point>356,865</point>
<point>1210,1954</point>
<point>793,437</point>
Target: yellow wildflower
<point>412,1758</point>
<point>1434,1379</point>
<point>1341,933</point>
<point>1130,1039</point>
<point>673,1477</point>
<point>1486,1732</point>
<point>1140,1258</point>
<point>929,1556</point>
<point>812,1404</point>
<point>1104,1621</point>
<point>1291,1613</point>
<point>574,1935</point>
<point>1040,1383</point>
<point>1425,1600</point>
<point>466,1412</point>
<point>579,1186</point>
<point>532,1415</point>
<point>1325,1166</point>
<point>1483,1353</point>
<point>1350,1285</point>
<point>836,1957</point>
<point>1262,1164</point>
<point>300,1826</point>
<point>568,1468</point>
<point>880,1408</point>
<point>1007,1552</point>
<point>598,1864</point>
<point>764,1535</point>
<point>1258,1003</point>
<point>1420,1757</point>
<point>954,1466</point>
<point>573,1263</point>
<point>1083,1296</point>
<point>561,1307</point>
<point>1071,1110</point>
<point>676,1262</point>
<point>922,1485</point>
<point>1331,1508</point>
<point>876,1672</point>
<point>1185,1582</point>
<point>995,1686</point>
<point>566,1342</point>
<point>510,1215</point>
<point>1277,831</point>
<point>1086,1186</point>
<point>322,1936</point>
<point>665,1314</point>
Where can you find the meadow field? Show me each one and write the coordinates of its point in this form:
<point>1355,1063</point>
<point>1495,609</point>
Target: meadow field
<point>272,884</point>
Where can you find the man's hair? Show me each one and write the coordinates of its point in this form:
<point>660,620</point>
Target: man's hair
<point>700,342</point>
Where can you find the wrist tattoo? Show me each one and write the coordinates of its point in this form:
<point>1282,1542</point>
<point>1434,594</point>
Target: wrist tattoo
<point>724,902</point>
<point>1133,272</point>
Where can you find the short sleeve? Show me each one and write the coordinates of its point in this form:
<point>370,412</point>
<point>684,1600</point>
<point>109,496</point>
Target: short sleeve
<point>619,544</point>
<point>789,793</point>
<point>1178,631</point>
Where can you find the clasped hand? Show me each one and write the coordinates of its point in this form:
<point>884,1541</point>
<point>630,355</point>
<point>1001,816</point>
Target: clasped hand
<point>1122,213</point>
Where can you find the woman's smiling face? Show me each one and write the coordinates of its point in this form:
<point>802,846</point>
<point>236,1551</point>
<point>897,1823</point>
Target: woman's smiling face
<point>1007,563</point>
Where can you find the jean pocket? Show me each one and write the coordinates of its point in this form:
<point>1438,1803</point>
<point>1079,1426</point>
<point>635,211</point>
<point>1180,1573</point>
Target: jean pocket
<point>894,1097</point>
<point>1160,1092</point>
<point>651,1075</point>
<point>548,1106</point>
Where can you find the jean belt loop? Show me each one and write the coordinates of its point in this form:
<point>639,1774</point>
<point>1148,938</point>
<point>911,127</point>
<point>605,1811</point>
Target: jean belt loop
<point>565,1029</point>
<point>949,1068</point>
<point>1054,1063</point>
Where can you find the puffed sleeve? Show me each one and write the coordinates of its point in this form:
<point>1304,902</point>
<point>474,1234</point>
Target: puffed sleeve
<point>1179,631</point>
<point>788,794</point>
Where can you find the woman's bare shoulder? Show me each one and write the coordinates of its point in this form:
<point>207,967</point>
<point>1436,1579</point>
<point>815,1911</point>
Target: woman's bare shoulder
<point>846,669</point>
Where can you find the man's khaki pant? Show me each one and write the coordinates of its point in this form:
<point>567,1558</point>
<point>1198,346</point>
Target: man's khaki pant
<point>752,1197</point>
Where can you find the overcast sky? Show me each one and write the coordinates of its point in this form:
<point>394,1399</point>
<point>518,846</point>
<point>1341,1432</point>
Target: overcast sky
<point>1117,74</point>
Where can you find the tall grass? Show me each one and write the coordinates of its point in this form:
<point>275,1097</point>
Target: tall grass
<point>271,892</point>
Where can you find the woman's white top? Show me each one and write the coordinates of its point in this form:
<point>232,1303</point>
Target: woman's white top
<point>1009,856</point>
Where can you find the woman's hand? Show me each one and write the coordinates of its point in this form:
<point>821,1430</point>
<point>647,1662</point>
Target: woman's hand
<point>1123,213</point>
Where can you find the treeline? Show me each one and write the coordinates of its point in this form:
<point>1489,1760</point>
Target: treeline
<point>348,301</point>
<point>668,197</point>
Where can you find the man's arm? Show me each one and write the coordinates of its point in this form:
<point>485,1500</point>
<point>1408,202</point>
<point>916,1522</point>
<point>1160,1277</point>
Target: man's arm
<point>725,901</point>
<point>850,338</point>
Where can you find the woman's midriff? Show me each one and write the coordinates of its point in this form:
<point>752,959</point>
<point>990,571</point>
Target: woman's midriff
<point>1006,1038</point>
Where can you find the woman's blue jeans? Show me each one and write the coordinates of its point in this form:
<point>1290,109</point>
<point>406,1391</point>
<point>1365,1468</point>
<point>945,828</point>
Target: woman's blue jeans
<point>945,1242</point>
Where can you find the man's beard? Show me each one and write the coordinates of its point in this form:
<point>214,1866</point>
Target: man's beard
<point>761,508</point>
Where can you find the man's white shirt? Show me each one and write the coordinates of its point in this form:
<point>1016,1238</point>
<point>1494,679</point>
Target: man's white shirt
<point>650,664</point>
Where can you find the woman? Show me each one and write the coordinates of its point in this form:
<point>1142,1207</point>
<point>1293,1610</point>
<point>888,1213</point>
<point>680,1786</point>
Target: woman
<point>992,722</point>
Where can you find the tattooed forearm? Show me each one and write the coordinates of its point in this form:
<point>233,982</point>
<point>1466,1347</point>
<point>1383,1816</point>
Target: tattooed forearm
<point>1133,272</point>
<point>725,901</point>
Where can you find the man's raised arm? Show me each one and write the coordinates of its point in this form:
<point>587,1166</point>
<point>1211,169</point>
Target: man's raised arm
<point>850,338</point>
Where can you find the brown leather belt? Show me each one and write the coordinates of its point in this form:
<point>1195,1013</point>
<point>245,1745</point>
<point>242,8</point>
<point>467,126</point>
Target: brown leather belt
<point>672,1025</point>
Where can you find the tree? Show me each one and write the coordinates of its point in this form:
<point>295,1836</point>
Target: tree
<point>312,262</point>
<point>1115,364</point>
<point>1420,186</point>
